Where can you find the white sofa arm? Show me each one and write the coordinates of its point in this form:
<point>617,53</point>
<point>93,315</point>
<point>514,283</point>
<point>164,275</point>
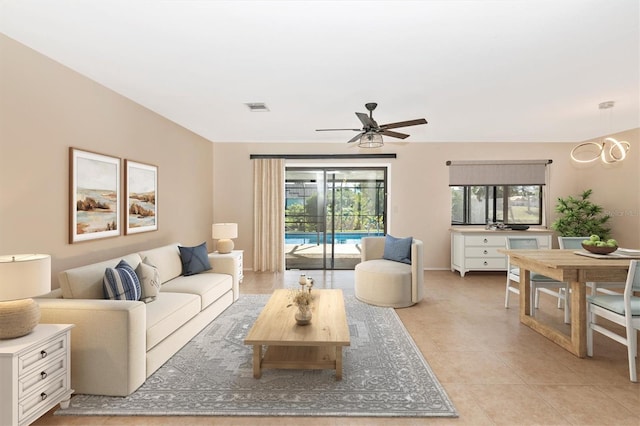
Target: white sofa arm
<point>227,265</point>
<point>108,342</point>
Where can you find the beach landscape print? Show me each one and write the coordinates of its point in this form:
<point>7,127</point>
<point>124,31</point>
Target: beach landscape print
<point>95,196</point>
<point>142,198</point>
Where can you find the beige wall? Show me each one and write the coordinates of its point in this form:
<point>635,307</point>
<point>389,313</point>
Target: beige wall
<point>419,194</point>
<point>46,108</point>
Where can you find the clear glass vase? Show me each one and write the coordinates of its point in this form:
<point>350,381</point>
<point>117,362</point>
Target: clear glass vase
<point>303,315</point>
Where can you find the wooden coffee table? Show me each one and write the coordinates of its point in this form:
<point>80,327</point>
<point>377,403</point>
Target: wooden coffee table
<point>316,346</point>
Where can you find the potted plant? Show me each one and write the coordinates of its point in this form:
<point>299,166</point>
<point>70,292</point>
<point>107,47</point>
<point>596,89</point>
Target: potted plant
<point>579,217</point>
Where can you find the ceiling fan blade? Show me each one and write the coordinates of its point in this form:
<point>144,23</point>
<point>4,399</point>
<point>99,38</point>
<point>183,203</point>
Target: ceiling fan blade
<point>331,130</point>
<point>356,137</point>
<point>394,134</point>
<point>366,120</point>
<point>404,123</point>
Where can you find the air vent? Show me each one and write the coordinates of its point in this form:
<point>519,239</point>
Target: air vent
<point>257,106</point>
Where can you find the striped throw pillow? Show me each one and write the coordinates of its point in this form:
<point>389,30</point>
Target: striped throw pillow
<point>121,283</point>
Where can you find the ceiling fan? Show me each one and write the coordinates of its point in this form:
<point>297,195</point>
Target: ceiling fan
<point>370,136</point>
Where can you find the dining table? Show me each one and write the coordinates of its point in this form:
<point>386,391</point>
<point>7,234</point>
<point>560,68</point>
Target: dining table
<point>574,267</point>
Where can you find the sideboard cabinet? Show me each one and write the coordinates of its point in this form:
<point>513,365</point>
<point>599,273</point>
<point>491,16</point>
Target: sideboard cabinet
<point>476,248</point>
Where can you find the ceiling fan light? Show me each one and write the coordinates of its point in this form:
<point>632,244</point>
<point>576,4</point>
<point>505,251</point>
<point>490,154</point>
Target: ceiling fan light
<point>370,140</point>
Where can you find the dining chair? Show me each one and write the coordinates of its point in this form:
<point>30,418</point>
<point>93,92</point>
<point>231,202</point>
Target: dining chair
<point>622,309</point>
<point>537,282</point>
<point>575,243</point>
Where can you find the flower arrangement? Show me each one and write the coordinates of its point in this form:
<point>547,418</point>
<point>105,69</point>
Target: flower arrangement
<point>301,298</point>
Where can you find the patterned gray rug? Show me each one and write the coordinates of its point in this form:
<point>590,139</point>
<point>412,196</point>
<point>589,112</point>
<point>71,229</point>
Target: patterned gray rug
<point>384,375</point>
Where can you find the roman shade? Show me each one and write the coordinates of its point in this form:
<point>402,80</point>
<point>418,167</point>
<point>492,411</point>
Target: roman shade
<point>497,172</point>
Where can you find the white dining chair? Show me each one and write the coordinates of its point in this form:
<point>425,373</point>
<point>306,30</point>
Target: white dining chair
<point>622,309</point>
<point>538,282</point>
<point>575,243</point>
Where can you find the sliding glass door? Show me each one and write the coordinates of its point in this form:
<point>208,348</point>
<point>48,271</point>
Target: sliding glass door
<point>328,211</point>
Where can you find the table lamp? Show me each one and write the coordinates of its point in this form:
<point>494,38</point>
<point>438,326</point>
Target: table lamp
<point>22,276</point>
<point>223,232</point>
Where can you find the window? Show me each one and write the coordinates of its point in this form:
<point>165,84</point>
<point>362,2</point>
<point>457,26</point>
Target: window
<point>511,204</point>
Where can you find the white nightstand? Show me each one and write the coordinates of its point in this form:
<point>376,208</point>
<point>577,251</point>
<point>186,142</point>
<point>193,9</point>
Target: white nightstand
<point>35,373</point>
<point>236,255</point>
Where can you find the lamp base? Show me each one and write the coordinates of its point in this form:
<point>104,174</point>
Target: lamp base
<point>225,246</point>
<point>18,318</point>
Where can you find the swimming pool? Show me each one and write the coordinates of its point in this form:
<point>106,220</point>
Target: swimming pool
<point>340,238</point>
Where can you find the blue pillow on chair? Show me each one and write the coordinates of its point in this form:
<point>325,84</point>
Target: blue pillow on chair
<point>397,249</point>
<point>121,283</point>
<point>194,259</point>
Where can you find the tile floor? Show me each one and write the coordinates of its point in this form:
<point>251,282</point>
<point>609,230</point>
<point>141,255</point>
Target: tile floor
<point>495,370</point>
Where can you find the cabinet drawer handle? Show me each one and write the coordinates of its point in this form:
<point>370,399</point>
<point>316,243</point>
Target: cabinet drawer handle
<point>485,263</point>
<point>485,252</point>
<point>43,354</point>
<point>43,395</point>
<point>43,375</point>
<point>485,240</point>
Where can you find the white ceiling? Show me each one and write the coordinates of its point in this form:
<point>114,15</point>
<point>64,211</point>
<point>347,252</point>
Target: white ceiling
<point>477,70</point>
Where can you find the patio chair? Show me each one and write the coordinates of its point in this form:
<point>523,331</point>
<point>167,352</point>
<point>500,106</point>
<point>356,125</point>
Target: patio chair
<point>538,282</point>
<point>622,309</point>
<point>575,243</point>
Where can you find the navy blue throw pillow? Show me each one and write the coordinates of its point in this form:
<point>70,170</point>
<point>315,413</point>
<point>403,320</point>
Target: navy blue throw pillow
<point>194,259</point>
<point>397,249</point>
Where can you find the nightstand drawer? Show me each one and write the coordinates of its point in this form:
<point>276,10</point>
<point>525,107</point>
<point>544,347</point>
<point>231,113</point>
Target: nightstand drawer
<point>41,355</point>
<point>41,397</point>
<point>40,376</point>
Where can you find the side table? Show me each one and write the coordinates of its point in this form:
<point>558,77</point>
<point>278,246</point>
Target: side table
<point>236,255</point>
<point>35,373</point>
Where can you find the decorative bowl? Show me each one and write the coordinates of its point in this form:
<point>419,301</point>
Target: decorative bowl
<point>600,249</point>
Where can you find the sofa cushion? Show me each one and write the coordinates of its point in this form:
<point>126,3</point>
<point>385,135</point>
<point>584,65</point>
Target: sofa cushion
<point>167,313</point>
<point>210,286</point>
<point>166,259</point>
<point>86,282</point>
<point>397,249</point>
<point>194,259</point>
<point>149,280</point>
<point>121,283</point>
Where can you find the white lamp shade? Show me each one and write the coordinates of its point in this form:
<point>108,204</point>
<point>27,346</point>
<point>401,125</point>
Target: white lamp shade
<point>224,231</point>
<point>23,276</point>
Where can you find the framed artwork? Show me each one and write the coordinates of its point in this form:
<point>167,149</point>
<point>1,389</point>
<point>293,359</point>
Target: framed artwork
<point>141,182</point>
<point>94,196</point>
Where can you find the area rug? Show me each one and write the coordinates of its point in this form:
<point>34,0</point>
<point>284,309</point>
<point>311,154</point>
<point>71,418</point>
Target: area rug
<point>384,375</point>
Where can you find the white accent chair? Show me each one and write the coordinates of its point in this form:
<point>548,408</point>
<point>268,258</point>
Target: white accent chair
<point>575,243</point>
<point>621,309</point>
<point>538,282</point>
<point>384,282</point>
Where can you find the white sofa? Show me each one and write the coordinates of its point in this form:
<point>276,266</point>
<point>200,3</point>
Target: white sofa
<point>117,344</point>
<point>383,282</point>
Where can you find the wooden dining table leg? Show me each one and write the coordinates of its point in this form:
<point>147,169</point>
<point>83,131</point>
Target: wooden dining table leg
<point>579,318</point>
<point>525,293</point>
